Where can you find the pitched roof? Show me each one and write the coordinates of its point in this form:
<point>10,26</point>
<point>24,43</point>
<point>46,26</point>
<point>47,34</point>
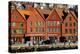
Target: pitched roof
<point>59,11</point>
<point>35,12</point>
<point>73,14</point>
<point>24,12</point>
<point>43,11</point>
<point>56,12</point>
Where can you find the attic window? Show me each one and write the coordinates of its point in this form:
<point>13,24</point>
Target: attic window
<point>70,18</point>
<point>46,15</point>
<point>15,16</point>
<point>26,16</point>
<point>54,17</point>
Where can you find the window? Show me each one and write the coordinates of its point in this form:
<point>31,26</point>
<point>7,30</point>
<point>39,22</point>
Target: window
<point>17,31</point>
<point>14,31</point>
<point>42,29</point>
<point>58,29</point>
<point>69,18</point>
<point>13,24</point>
<point>39,29</point>
<point>53,17</point>
<point>9,24</point>
<point>36,29</point>
<point>38,23</point>
<point>15,16</point>
<point>54,23</point>
<point>75,31</point>
<point>49,23</point>
<point>42,23</point>
<point>54,29</point>
<point>21,24</point>
<point>49,29</point>
<point>70,30</point>
<point>66,24</point>
<point>66,31</point>
<point>70,24</point>
<point>58,23</point>
<point>21,31</point>
<point>74,24</point>
<point>30,24</point>
<point>31,29</point>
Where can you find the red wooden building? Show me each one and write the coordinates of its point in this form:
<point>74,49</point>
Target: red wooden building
<point>34,25</point>
<point>70,27</point>
<point>17,26</point>
<point>53,25</point>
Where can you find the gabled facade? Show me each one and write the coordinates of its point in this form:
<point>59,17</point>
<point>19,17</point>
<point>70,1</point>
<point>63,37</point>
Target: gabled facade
<point>17,26</point>
<point>35,27</point>
<point>53,25</point>
<point>70,27</point>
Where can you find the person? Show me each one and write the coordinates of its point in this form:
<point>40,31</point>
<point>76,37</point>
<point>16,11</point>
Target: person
<point>12,41</point>
<point>69,42</point>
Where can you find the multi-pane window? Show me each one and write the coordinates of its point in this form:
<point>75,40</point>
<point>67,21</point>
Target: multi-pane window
<point>54,17</point>
<point>9,24</point>
<point>58,23</point>
<point>70,24</point>
<point>54,23</point>
<point>58,29</point>
<point>66,30</point>
<point>49,23</point>
<point>42,23</point>
<point>74,24</point>
<point>74,30</point>
<point>66,24</point>
<point>31,24</point>
<point>39,29</point>
<point>49,29</point>
<point>69,18</point>
<point>39,23</point>
<point>17,31</point>
<point>21,31</point>
<point>15,16</point>
<point>31,29</point>
<point>21,24</point>
<point>53,29</point>
<point>70,30</point>
<point>36,29</point>
<point>13,24</point>
<point>42,29</point>
<point>14,31</point>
